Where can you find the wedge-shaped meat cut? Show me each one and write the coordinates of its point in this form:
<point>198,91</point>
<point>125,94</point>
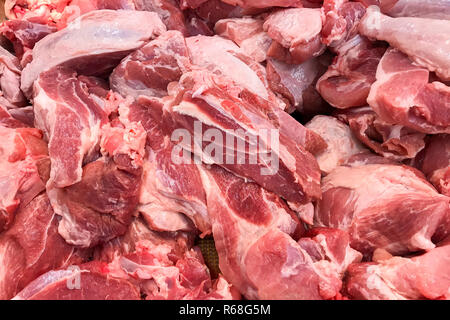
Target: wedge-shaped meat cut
<point>248,34</point>
<point>32,246</point>
<point>348,80</point>
<point>280,162</point>
<point>384,206</point>
<point>102,52</point>
<point>342,144</point>
<point>149,70</point>
<point>296,34</point>
<point>403,95</point>
<point>70,110</point>
<point>24,163</point>
<point>171,192</point>
<point>252,226</point>
<point>434,162</point>
<point>101,206</point>
<point>395,142</point>
<point>398,278</point>
<point>417,37</point>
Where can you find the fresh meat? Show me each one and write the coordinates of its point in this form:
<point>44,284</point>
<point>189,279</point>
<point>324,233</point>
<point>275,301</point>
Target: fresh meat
<point>248,34</point>
<point>403,95</point>
<point>342,144</point>
<point>101,205</point>
<point>348,80</point>
<point>99,55</point>
<point>150,69</point>
<point>70,110</point>
<point>170,191</point>
<point>254,228</point>
<point>433,9</point>
<point>265,3</point>
<point>10,94</point>
<point>211,11</point>
<point>24,163</point>
<point>417,37</point>
<point>434,162</point>
<point>282,166</point>
<point>394,142</point>
<point>296,34</point>
<point>296,83</point>
<point>90,281</point>
<point>391,207</point>
<point>32,246</point>
<point>421,277</point>
<point>7,119</point>
<point>24,35</point>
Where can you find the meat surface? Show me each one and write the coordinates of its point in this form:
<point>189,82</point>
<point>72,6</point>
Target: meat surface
<point>99,55</point>
<point>342,144</point>
<point>395,142</point>
<point>150,69</point>
<point>433,9</point>
<point>70,110</point>
<point>25,255</point>
<point>296,34</point>
<point>10,94</point>
<point>403,95</point>
<point>431,49</point>
<point>385,206</point>
<point>421,277</point>
<point>265,3</point>
<point>434,162</point>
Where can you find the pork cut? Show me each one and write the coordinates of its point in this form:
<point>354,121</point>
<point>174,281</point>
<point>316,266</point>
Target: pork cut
<point>99,55</point>
<point>419,38</point>
<point>10,94</point>
<point>265,3</point>
<point>383,206</point>
<point>433,9</point>
<point>403,95</point>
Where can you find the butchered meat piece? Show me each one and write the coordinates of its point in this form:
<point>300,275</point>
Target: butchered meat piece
<point>392,141</point>
<point>149,70</point>
<point>433,9</point>
<point>296,34</point>
<point>24,164</point>
<point>348,79</point>
<point>265,3</point>
<point>70,110</point>
<point>342,144</point>
<point>32,246</point>
<point>419,38</point>
<point>252,227</point>
<point>434,162</point>
<point>10,94</point>
<point>248,34</point>
<point>421,277</point>
<point>283,166</point>
<point>101,205</point>
<point>403,95</point>
<point>385,206</point>
<point>102,52</point>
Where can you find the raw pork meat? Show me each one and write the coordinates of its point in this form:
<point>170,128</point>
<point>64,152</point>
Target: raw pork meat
<point>10,94</point>
<point>248,34</point>
<point>32,246</point>
<point>24,163</point>
<point>296,34</point>
<point>98,55</point>
<point>70,109</point>
<point>150,69</point>
<point>425,41</point>
<point>384,206</point>
<point>434,162</point>
<point>402,95</point>
<point>349,78</point>
<point>265,3</point>
<point>342,144</point>
<point>395,142</point>
<point>422,277</point>
<point>254,228</point>
<point>433,9</point>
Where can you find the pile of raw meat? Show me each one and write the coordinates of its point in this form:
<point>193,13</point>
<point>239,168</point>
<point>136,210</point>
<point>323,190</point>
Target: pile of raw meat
<point>356,93</point>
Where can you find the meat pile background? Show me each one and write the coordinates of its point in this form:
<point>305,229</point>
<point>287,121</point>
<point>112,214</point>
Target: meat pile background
<point>92,205</point>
